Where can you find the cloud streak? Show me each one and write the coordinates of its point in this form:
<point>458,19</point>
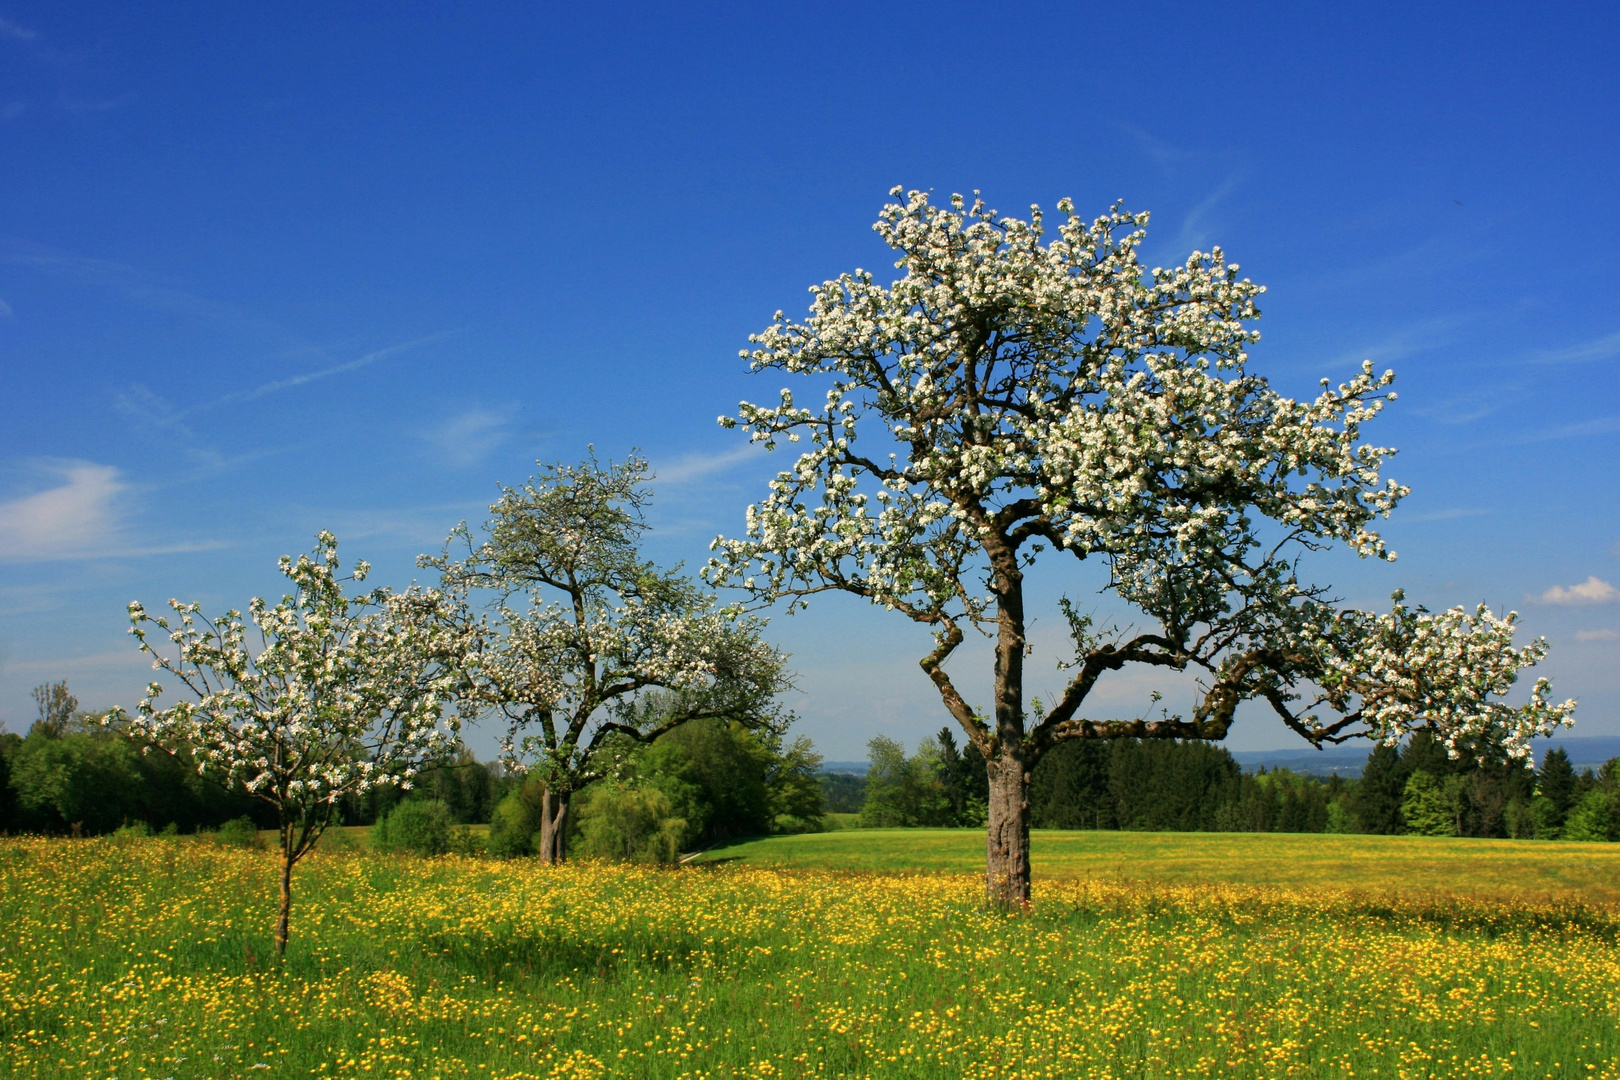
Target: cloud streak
<point>278,385</point>
<point>693,467</point>
<point>1606,347</point>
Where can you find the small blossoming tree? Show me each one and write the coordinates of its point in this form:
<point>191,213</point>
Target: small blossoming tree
<point>309,700</point>
<point>592,649</point>
<point>1009,395</point>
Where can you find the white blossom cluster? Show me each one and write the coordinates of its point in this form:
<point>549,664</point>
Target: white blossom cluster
<point>1018,393</point>
<point>311,699</point>
<point>1449,671</point>
<point>588,641</point>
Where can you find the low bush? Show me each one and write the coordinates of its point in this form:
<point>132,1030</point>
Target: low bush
<point>239,832</point>
<point>417,826</point>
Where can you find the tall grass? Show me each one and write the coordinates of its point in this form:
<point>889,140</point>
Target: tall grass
<point>151,958</point>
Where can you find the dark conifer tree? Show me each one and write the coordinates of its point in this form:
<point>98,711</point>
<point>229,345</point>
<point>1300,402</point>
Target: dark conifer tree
<point>1556,781</point>
<point>1377,804</point>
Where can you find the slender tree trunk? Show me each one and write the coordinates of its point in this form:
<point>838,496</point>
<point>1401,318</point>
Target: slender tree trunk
<point>554,826</point>
<point>1006,862</point>
<point>284,912</point>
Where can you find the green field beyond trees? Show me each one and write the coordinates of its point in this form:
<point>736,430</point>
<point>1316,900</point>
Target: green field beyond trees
<point>1407,865</point>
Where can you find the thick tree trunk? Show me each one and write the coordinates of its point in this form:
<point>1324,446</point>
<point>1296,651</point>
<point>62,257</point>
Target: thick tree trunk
<point>1006,869</point>
<point>554,826</point>
<point>284,913</point>
<point>1007,842</point>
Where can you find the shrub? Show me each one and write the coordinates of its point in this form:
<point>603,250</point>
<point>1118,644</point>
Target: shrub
<point>1595,818</point>
<point>515,822</point>
<point>239,832</point>
<point>627,824</point>
<point>132,830</point>
<point>417,826</point>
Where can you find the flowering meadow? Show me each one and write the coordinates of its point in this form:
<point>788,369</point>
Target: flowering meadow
<point>144,959</point>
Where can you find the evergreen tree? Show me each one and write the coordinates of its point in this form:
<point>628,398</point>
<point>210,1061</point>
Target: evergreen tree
<point>1555,782</point>
<point>1425,808</point>
<point>1070,787</point>
<point>966,782</point>
<point>1377,803</point>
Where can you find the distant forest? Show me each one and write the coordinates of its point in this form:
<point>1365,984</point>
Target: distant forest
<point>1197,786</point>
<point>69,775</point>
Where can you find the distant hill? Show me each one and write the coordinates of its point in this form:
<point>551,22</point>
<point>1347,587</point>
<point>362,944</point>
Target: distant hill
<point>1585,752</point>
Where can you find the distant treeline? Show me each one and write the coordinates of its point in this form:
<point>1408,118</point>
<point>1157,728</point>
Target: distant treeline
<point>705,781</point>
<point>712,780</point>
<point>1195,786</point>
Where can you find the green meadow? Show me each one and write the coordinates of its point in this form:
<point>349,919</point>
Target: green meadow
<point>858,953</point>
<point>1518,869</point>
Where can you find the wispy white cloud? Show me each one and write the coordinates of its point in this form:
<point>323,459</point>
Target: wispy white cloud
<point>1596,635</point>
<point>82,516</point>
<point>685,470</point>
<point>5,310</point>
<point>73,516</point>
<point>1441,515</point>
<point>1604,348</point>
<point>20,33</point>
<point>1593,590</point>
<point>1198,227</point>
<point>469,437</point>
<point>1603,425</point>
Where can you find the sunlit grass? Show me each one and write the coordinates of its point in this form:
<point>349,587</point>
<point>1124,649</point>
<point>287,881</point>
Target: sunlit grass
<point>151,959</point>
<point>1516,869</point>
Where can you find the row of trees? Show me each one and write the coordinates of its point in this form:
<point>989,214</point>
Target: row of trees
<point>1015,396</point>
<point>720,778</point>
<point>1194,786</point>
<point>74,774</point>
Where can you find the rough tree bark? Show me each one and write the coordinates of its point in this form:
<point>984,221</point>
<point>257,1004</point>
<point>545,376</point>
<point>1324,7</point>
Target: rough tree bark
<point>554,826</point>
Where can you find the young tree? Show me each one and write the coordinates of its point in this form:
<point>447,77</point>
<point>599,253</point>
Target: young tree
<point>1007,396</point>
<point>57,706</point>
<point>334,696</point>
<point>594,649</point>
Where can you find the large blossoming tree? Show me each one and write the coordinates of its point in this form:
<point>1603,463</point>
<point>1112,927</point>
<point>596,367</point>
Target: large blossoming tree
<point>590,649</point>
<point>309,700</point>
<point>1009,395</point>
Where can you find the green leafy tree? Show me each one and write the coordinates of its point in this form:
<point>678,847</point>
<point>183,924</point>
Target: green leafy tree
<point>966,783</point>
<point>75,781</point>
<point>57,708</point>
<point>630,824</point>
<point>903,791</point>
<point>1555,781</point>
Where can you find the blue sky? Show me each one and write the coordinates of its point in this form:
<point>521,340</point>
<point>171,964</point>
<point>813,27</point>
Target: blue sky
<point>349,267</point>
